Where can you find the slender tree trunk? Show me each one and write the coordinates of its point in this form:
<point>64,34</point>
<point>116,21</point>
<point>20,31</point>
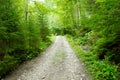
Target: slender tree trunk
<point>26,11</point>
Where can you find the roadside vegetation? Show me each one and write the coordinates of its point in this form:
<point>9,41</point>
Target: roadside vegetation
<point>93,27</point>
<point>23,32</point>
<point>98,69</point>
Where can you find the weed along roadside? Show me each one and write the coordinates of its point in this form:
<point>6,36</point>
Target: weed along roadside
<point>11,63</point>
<point>99,69</point>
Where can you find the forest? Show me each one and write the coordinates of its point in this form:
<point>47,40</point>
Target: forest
<point>92,27</point>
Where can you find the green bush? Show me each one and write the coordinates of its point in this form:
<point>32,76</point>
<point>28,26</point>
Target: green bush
<point>7,64</point>
<point>99,69</point>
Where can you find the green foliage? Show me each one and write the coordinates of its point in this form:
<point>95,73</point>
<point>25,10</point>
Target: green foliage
<point>98,28</point>
<point>94,23</point>
<point>23,32</point>
<point>100,70</point>
<point>25,27</point>
<point>7,64</point>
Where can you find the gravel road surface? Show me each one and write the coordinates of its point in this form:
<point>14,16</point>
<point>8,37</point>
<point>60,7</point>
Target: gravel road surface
<point>57,62</point>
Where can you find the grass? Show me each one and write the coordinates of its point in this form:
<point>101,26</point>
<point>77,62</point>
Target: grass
<point>99,69</point>
<point>52,37</point>
<point>59,57</point>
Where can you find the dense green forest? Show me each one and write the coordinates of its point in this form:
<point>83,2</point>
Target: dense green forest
<point>92,28</point>
<point>23,32</point>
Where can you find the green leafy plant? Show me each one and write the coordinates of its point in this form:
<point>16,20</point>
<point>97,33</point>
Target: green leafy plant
<point>100,70</point>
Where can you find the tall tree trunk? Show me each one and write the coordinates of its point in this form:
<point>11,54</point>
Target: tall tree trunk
<point>26,11</point>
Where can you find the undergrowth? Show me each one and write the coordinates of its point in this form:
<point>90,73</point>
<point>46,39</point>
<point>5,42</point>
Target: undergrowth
<point>14,59</point>
<point>99,69</point>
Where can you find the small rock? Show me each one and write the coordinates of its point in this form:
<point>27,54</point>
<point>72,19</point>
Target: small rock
<point>83,75</point>
<point>43,77</point>
<point>81,79</point>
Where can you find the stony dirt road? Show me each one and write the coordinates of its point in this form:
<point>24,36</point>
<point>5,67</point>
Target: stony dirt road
<point>58,62</point>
